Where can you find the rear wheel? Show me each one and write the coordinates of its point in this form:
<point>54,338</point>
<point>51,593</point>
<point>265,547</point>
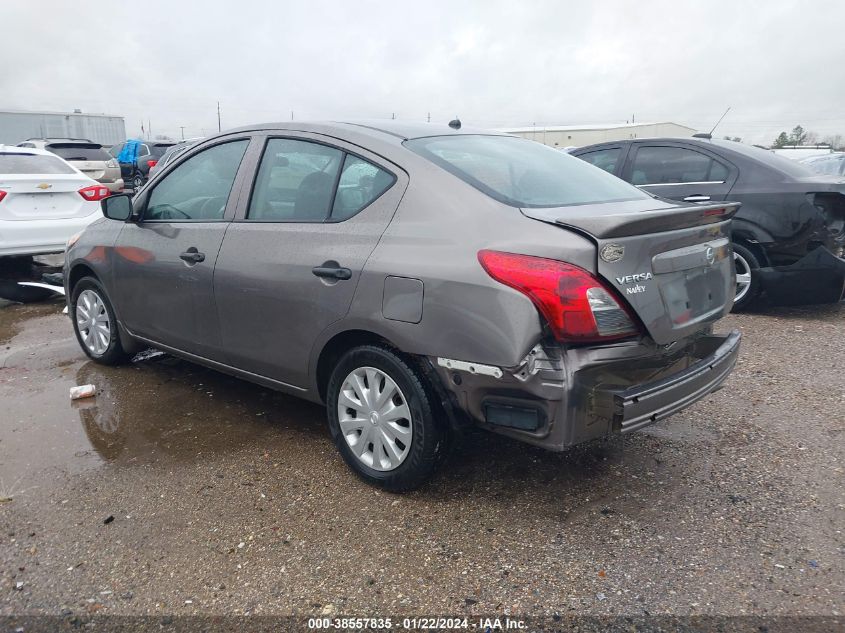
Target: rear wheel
<point>95,324</point>
<point>137,181</point>
<point>747,282</point>
<point>383,419</point>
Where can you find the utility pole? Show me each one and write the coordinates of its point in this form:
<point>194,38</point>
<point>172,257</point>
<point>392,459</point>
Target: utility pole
<point>218,116</point>
<point>150,129</point>
<point>392,115</point>
<point>182,127</point>
<point>291,115</point>
<point>429,117</point>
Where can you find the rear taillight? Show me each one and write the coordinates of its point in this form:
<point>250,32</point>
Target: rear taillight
<point>2,194</point>
<point>151,163</point>
<point>94,192</point>
<point>577,306</point>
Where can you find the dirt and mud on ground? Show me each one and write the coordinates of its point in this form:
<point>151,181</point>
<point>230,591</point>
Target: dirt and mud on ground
<point>179,490</point>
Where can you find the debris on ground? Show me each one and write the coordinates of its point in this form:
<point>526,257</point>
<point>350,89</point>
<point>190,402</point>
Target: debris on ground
<point>82,391</point>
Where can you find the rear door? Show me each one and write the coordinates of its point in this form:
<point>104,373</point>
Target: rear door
<point>292,258</point>
<point>164,262</point>
<point>679,171</point>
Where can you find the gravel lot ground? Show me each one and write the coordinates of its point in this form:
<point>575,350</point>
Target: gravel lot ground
<point>178,490</point>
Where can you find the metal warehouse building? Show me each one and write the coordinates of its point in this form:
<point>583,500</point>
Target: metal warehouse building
<point>580,135</point>
<point>19,125</point>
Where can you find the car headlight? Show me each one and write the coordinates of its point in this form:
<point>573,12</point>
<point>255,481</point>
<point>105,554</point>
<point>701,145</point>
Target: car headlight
<point>73,239</point>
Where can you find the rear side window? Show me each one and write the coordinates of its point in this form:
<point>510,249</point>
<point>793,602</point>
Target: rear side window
<point>360,183</point>
<point>33,164</point>
<point>198,189</point>
<point>522,173</point>
<point>295,182</point>
<point>663,165</point>
<point>77,151</point>
<point>603,159</point>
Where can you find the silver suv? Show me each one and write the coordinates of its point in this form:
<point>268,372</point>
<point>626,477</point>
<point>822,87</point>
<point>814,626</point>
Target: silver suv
<point>88,157</point>
<point>416,279</point>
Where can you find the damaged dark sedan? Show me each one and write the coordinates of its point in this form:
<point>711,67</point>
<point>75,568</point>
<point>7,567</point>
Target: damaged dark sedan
<point>788,236</point>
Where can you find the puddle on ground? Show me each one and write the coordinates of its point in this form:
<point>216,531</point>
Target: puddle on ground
<point>156,408</point>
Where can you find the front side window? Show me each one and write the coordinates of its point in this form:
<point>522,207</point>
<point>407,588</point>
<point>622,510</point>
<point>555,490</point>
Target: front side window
<point>664,165</point>
<point>198,189</point>
<point>522,173</point>
<point>604,158</point>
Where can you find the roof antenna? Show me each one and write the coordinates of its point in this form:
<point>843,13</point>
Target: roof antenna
<point>455,123</point>
<point>710,134</point>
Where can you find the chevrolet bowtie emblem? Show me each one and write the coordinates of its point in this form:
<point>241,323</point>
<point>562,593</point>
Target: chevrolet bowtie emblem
<point>44,185</point>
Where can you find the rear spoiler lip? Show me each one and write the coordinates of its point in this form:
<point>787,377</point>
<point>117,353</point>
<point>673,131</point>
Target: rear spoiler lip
<point>607,226</point>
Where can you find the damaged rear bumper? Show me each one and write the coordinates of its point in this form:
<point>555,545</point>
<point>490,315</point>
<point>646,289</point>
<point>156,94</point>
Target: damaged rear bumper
<point>818,277</point>
<point>563,397</point>
<point>642,405</point>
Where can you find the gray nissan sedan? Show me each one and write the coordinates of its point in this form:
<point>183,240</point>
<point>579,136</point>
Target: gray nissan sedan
<point>417,279</point>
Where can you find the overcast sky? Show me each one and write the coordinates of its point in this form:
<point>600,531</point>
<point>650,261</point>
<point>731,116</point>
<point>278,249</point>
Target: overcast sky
<point>777,63</point>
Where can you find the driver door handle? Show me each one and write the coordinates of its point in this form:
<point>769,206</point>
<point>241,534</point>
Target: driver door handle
<point>330,272</point>
<point>192,256</point>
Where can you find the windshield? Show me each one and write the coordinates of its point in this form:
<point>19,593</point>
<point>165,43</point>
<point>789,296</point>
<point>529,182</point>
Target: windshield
<point>15,163</point>
<point>523,173</point>
<point>77,151</point>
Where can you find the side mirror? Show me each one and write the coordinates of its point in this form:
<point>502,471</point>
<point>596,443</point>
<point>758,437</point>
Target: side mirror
<point>117,207</point>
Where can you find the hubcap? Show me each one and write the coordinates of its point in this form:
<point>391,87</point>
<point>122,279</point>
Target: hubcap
<point>743,277</point>
<point>92,320</point>
<point>374,418</point>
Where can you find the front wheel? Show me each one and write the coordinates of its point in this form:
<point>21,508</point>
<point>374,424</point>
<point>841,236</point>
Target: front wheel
<point>747,282</point>
<point>95,324</point>
<point>383,419</point>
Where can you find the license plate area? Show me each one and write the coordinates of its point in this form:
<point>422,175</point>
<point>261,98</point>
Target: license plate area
<point>691,295</point>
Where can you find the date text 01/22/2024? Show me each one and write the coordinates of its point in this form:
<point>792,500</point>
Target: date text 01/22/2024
<point>420,623</point>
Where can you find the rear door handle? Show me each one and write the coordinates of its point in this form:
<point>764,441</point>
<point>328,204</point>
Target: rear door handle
<point>697,198</point>
<point>192,256</point>
<point>329,272</point>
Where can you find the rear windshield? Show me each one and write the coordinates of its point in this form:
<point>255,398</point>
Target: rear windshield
<point>158,150</point>
<point>784,165</point>
<point>523,173</point>
<point>77,151</point>
<point>33,164</point>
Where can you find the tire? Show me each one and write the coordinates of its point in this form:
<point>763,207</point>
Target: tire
<point>421,436</point>
<point>101,345</point>
<point>746,264</point>
<point>137,181</point>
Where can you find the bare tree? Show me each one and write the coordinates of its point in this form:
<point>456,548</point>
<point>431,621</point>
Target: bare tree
<point>835,141</point>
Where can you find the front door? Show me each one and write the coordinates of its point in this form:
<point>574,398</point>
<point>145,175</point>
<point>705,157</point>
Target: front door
<point>678,172</point>
<point>292,258</point>
<point>164,262</point>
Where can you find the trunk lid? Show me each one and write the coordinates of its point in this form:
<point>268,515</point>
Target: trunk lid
<point>43,196</point>
<point>672,265</point>
<point>94,169</point>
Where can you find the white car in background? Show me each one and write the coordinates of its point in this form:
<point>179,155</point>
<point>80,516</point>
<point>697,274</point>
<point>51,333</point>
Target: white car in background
<point>43,201</point>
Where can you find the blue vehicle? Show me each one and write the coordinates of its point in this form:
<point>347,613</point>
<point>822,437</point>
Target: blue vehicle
<point>136,157</point>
